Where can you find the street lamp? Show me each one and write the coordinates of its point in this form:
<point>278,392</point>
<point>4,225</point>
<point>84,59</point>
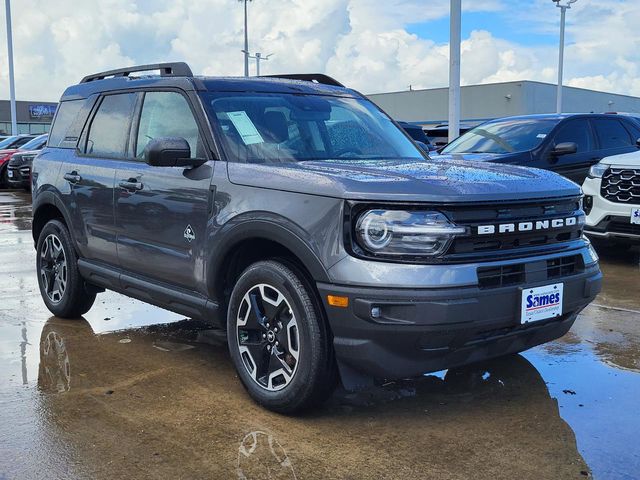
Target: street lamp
<point>258,56</point>
<point>246,40</point>
<point>454,68</point>
<point>12,85</point>
<point>563,5</point>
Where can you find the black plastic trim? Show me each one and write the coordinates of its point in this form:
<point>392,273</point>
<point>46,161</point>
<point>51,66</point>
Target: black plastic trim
<point>169,297</point>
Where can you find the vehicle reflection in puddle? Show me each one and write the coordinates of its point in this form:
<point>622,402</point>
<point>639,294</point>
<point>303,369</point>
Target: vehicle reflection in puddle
<point>54,374</point>
<point>185,407</point>
<point>261,456</point>
<point>167,403</point>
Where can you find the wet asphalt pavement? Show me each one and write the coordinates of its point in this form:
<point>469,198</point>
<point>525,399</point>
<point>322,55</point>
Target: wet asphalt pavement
<point>134,391</point>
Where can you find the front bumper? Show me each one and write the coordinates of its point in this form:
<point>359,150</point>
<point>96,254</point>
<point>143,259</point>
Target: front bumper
<point>416,331</point>
<point>606,219</point>
<point>19,177</point>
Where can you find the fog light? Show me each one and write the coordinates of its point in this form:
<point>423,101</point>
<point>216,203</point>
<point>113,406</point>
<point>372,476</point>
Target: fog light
<point>587,204</point>
<point>376,312</point>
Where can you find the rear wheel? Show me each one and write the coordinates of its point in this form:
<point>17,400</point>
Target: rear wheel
<point>4,178</point>
<point>62,288</point>
<point>278,338</point>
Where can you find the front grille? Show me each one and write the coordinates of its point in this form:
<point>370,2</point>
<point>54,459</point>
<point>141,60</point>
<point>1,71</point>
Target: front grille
<point>476,244</point>
<point>624,227</point>
<point>564,266</point>
<point>522,273</point>
<point>503,276</point>
<point>621,185</point>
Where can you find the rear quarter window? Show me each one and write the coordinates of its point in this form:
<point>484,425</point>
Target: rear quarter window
<point>611,133</point>
<point>65,116</point>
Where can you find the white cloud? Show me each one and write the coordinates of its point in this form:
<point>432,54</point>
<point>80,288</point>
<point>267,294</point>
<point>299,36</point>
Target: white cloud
<point>364,43</point>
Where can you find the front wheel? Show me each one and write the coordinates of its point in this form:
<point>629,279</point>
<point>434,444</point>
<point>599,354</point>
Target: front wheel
<point>62,288</point>
<point>278,339</point>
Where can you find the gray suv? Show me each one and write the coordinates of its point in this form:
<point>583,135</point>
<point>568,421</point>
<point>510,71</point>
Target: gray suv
<point>297,216</point>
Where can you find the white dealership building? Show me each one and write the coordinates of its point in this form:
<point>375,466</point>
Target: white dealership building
<point>494,100</point>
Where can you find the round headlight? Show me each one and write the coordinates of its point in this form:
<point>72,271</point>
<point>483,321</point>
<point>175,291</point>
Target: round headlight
<point>375,232</point>
<point>401,232</point>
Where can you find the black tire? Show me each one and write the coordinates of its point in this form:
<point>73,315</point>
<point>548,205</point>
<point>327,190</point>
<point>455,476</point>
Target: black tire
<point>4,179</point>
<point>72,299</point>
<point>311,375</point>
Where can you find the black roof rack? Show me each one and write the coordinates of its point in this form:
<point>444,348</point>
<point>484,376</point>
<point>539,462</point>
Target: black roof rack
<point>175,69</point>
<point>309,77</point>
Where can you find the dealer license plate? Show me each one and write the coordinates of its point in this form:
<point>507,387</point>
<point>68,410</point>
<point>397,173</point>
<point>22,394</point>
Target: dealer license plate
<point>541,303</point>
<point>635,216</point>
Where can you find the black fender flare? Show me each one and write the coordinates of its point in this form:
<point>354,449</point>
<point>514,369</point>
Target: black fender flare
<point>278,230</point>
<point>48,197</point>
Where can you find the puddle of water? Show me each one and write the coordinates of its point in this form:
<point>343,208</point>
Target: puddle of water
<point>60,383</point>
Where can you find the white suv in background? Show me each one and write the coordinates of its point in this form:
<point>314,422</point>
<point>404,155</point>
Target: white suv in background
<point>612,199</point>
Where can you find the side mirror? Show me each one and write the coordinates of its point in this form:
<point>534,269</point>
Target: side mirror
<point>170,152</point>
<point>423,146</point>
<point>564,148</point>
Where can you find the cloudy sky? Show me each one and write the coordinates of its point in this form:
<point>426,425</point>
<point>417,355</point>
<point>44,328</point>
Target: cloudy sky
<point>372,45</point>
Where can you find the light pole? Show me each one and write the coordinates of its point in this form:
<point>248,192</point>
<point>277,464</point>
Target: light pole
<point>454,68</point>
<point>258,56</point>
<point>246,40</point>
<point>12,86</point>
<point>563,5</point>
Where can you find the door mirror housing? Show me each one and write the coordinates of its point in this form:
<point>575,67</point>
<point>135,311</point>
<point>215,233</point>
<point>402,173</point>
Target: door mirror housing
<point>170,152</point>
<point>423,146</point>
<point>564,148</point>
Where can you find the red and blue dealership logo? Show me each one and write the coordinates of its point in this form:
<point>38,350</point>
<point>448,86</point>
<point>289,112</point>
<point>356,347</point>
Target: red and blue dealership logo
<point>542,300</point>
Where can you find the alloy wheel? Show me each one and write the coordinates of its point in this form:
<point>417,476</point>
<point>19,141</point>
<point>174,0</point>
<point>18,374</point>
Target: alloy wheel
<point>53,268</point>
<point>268,337</point>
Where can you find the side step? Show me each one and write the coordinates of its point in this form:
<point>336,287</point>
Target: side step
<point>170,297</point>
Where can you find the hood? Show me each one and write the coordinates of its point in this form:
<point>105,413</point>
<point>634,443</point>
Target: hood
<point>6,154</point>
<point>631,160</point>
<point>406,180</point>
<point>23,156</point>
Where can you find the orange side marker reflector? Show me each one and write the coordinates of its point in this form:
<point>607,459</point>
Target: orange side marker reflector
<point>336,301</point>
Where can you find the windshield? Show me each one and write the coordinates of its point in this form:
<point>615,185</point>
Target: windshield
<point>34,144</point>
<point>273,128</point>
<point>503,136</point>
<point>7,142</point>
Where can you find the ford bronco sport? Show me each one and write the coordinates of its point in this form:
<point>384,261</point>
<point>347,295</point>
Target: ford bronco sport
<point>297,216</point>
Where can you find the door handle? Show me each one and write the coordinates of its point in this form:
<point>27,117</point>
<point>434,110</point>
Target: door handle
<point>72,177</point>
<point>131,184</point>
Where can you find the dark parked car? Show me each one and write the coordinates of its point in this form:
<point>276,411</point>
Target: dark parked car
<point>417,133</point>
<point>438,135</point>
<point>19,166</point>
<point>568,144</point>
<point>8,147</point>
<point>298,218</point>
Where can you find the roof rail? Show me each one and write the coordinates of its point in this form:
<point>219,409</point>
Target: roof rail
<point>309,77</point>
<point>175,69</point>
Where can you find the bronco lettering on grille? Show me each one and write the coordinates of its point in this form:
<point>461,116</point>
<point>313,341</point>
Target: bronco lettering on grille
<point>527,226</point>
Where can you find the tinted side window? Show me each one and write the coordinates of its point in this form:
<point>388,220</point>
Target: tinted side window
<point>611,133</point>
<point>167,114</point>
<point>417,134</point>
<point>21,141</point>
<point>633,126</point>
<point>110,127</point>
<point>65,115</point>
<point>576,131</point>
